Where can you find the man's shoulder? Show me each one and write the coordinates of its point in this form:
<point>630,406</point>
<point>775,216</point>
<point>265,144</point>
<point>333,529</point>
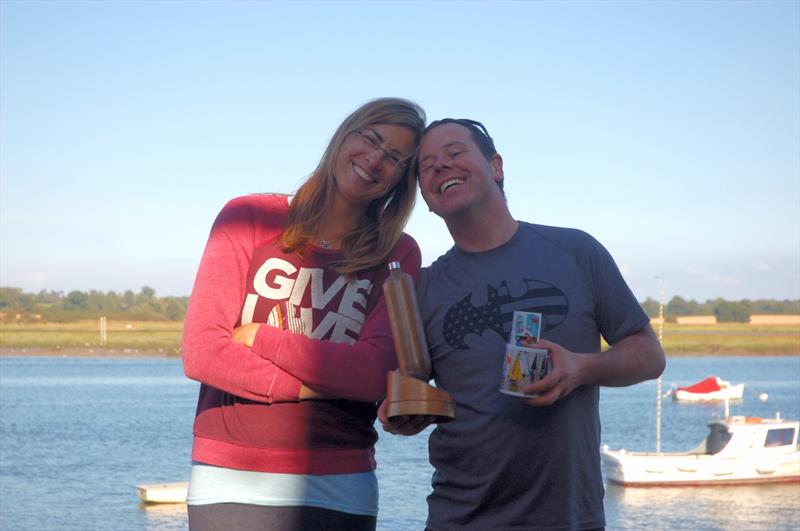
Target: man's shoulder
<point>440,263</point>
<point>427,273</point>
<point>568,239</point>
<point>553,232</point>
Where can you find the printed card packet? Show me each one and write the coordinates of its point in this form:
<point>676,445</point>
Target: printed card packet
<point>526,329</point>
<point>523,366</point>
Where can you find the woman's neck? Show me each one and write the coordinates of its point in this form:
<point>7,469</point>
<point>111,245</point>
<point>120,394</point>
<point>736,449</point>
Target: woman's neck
<point>336,223</point>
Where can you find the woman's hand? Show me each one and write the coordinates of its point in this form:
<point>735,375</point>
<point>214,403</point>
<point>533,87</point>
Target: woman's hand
<point>306,393</point>
<point>246,334</point>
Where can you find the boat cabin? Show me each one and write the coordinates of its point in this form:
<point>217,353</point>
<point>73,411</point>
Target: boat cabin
<point>751,433</point>
<point>738,450</point>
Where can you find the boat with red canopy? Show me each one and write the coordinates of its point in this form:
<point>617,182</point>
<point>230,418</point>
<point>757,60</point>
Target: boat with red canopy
<point>707,390</point>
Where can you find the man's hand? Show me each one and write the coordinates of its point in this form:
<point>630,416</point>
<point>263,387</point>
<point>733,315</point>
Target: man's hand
<point>566,374</point>
<point>631,360</point>
<point>246,334</point>
<point>404,424</point>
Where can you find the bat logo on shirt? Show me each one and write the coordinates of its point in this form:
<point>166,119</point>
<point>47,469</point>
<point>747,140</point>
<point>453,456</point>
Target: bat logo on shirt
<point>465,318</point>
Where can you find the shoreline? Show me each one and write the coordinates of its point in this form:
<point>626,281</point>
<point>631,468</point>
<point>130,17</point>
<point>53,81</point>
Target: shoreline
<point>90,352</point>
<point>680,354</point>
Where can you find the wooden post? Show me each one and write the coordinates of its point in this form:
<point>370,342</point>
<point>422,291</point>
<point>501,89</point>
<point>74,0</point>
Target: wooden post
<point>103,331</point>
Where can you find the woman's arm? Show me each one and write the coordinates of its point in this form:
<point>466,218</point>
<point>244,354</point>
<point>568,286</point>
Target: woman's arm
<point>210,354</point>
<point>245,334</point>
<point>355,372</point>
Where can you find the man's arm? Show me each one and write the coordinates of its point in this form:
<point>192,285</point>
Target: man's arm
<point>635,358</point>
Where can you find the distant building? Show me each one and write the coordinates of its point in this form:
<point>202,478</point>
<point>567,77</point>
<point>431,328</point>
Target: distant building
<point>696,319</point>
<point>774,319</point>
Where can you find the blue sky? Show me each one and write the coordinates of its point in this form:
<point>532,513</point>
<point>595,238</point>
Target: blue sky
<point>668,130</point>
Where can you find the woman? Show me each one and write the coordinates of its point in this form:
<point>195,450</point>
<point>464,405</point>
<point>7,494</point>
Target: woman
<point>288,333</point>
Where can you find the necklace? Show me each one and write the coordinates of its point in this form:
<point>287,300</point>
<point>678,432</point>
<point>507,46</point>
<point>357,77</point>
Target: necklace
<point>325,244</point>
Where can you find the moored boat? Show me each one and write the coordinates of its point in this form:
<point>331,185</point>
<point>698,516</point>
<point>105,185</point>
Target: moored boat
<point>737,450</point>
<point>707,390</point>
<point>163,492</point>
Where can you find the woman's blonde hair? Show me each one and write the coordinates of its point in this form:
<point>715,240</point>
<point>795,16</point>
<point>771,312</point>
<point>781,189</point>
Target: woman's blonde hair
<point>369,244</point>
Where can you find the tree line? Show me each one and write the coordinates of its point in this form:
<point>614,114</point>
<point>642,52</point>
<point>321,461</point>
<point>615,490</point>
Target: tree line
<point>145,306</point>
<point>76,305</point>
<point>724,310</point>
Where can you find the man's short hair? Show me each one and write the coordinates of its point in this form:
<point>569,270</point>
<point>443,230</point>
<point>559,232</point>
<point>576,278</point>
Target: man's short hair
<point>479,134</point>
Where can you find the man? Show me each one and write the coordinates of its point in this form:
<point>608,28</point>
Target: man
<point>510,463</point>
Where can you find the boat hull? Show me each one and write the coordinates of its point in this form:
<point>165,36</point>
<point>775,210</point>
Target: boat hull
<point>163,492</point>
<point>682,470</point>
<point>706,483</point>
<point>734,392</point>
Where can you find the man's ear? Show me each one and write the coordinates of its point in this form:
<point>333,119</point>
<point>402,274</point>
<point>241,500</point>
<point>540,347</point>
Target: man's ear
<point>497,167</point>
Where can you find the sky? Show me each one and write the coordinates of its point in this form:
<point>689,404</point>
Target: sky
<point>670,131</point>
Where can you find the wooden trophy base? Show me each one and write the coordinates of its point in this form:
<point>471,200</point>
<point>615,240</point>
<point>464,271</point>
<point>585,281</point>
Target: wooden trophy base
<point>405,395</point>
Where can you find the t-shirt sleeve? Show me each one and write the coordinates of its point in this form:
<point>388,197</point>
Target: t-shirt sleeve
<point>617,312</point>
<point>352,371</point>
<point>210,355</point>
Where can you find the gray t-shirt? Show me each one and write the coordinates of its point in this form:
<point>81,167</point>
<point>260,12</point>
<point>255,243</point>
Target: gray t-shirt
<point>502,464</point>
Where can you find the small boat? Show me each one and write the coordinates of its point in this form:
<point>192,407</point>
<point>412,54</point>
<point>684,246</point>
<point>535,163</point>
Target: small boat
<point>738,450</point>
<point>710,389</point>
<point>163,492</point>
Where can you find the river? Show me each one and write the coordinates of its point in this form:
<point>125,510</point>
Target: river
<point>78,434</point>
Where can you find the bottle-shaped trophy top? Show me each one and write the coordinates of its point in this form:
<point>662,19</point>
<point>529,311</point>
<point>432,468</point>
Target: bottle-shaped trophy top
<point>407,331</point>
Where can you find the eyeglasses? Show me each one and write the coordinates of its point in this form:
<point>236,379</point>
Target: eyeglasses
<point>394,159</point>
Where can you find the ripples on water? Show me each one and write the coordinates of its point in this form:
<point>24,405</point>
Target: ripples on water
<point>78,434</point>
<point>760,508</point>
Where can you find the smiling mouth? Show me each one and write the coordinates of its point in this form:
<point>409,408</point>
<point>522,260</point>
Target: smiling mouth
<point>361,172</point>
<point>448,183</point>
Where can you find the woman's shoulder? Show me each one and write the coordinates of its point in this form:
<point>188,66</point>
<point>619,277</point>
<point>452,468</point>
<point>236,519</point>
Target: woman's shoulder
<point>255,216</point>
<point>259,202</point>
<point>257,208</point>
<point>406,245</point>
<point>406,251</point>
<point>406,241</point>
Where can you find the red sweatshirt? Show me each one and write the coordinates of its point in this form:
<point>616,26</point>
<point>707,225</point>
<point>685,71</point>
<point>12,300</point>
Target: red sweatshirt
<point>249,415</point>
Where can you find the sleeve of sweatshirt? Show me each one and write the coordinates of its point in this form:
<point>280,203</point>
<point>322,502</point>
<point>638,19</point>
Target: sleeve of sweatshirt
<point>210,355</point>
<point>354,372</point>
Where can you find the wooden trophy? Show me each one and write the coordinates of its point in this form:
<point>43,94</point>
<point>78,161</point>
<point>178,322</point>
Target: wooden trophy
<point>407,389</point>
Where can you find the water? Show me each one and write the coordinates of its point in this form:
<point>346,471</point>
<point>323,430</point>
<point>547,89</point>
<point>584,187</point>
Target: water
<point>78,434</point>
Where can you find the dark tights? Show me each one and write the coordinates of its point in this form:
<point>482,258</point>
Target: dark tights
<point>244,517</point>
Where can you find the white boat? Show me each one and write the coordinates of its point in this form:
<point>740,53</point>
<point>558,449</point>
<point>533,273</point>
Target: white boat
<point>710,389</point>
<point>738,450</point>
<point>163,492</point>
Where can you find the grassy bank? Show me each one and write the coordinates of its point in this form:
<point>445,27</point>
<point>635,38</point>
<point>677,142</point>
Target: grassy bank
<point>133,336</point>
<point>731,338</point>
<point>165,337</point>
